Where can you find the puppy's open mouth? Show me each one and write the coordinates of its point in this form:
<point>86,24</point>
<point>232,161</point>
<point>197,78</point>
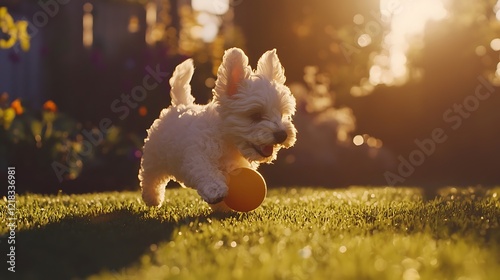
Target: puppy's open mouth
<point>264,150</point>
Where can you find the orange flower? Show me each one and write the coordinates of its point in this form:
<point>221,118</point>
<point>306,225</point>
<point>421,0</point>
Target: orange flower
<point>17,106</point>
<point>50,106</point>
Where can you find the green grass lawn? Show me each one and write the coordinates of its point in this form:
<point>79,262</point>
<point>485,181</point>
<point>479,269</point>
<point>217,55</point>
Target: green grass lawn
<point>298,233</point>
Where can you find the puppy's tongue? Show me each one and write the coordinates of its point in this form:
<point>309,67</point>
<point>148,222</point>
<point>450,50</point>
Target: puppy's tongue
<point>266,150</point>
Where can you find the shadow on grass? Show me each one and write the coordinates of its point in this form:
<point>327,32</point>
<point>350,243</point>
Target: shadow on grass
<point>78,247</point>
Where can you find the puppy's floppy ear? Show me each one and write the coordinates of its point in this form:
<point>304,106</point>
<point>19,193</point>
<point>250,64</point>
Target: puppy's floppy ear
<point>269,66</point>
<point>233,69</point>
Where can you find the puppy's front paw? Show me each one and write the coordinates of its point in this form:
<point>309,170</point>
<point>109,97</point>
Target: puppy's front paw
<point>213,192</point>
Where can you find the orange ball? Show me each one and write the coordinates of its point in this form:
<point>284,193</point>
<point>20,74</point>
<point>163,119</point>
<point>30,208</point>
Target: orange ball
<point>247,190</point>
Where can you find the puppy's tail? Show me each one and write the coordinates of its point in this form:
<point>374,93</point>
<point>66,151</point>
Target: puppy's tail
<point>180,91</point>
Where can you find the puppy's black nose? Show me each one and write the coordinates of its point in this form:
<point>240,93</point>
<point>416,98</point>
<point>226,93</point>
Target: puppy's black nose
<point>280,136</point>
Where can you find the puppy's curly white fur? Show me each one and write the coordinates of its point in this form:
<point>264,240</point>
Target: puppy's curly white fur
<point>246,123</point>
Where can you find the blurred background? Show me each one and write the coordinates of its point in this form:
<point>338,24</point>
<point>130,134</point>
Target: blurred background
<point>389,92</point>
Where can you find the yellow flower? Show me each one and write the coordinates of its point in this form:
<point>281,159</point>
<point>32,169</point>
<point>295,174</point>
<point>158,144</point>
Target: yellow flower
<point>7,26</point>
<point>16,31</point>
<point>24,37</point>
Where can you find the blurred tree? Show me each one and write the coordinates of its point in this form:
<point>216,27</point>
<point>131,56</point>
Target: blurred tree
<point>443,60</point>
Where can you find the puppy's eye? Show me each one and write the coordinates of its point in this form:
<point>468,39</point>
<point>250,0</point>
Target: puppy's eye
<point>256,117</point>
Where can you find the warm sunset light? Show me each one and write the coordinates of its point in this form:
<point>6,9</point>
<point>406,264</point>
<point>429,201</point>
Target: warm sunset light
<point>208,18</point>
<point>407,20</point>
<point>218,7</point>
<point>250,139</point>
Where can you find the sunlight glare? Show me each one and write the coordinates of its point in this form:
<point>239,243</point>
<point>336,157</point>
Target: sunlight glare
<point>496,9</point>
<point>216,7</point>
<point>210,31</point>
<point>375,74</point>
<point>208,18</point>
<point>407,19</point>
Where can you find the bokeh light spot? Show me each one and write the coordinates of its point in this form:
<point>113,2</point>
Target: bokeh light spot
<point>210,82</point>
<point>480,50</point>
<point>143,111</point>
<point>358,140</point>
<point>495,44</point>
<point>342,248</point>
<point>138,154</point>
<point>364,40</point>
<point>358,19</point>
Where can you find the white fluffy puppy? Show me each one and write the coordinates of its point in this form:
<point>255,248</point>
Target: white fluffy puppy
<point>246,123</point>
